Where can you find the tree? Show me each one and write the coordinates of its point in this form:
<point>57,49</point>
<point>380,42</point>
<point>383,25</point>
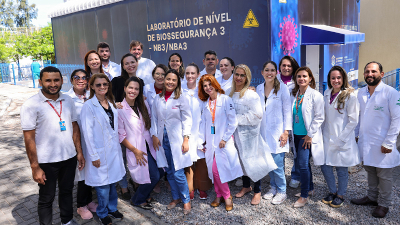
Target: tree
<point>25,13</point>
<point>18,13</point>
<point>7,13</point>
<point>40,44</point>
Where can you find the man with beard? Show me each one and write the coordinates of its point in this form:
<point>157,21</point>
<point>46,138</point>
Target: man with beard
<point>210,62</point>
<point>111,69</point>
<point>146,66</point>
<point>52,142</point>
<point>377,130</point>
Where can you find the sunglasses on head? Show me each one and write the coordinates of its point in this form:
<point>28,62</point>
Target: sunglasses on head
<point>104,84</point>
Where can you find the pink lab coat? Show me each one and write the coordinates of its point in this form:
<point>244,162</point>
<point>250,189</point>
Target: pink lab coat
<point>132,127</point>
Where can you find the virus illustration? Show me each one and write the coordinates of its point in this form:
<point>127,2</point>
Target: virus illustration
<point>288,35</point>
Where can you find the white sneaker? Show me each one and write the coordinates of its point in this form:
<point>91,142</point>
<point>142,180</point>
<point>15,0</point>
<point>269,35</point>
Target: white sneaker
<point>239,182</point>
<point>279,198</point>
<point>270,194</point>
<point>294,183</point>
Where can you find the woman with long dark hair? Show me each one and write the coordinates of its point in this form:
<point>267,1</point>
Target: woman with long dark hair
<point>341,150</point>
<point>276,124</point>
<point>170,129</point>
<point>175,62</point>
<point>308,116</point>
<point>134,133</point>
<point>99,118</point>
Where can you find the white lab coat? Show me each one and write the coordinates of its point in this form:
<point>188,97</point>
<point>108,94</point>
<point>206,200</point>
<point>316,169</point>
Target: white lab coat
<point>102,143</point>
<point>255,156</point>
<point>196,108</point>
<point>225,84</point>
<point>150,93</point>
<point>175,115</point>
<point>227,158</point>
<point>79,175</point>
<point>277,117</point>
<point>338,131</point>
<point>313,116</point>
<point>379,126</point>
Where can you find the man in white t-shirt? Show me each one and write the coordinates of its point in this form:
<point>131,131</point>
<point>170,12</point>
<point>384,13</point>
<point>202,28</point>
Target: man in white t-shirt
<point>111,69</point>
<point>210,62</point>
<point>53,145</point>
<point>146,66</point>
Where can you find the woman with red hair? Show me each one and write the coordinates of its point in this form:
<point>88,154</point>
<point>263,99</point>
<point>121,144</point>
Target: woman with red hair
<point>218,123</point>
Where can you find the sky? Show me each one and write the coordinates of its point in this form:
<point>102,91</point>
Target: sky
<point>44,7</point>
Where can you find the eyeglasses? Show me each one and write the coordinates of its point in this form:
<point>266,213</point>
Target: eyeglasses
<point>240,75</point>
<point>104,85</point>
<point>79,78</point>
<point>159,74</point>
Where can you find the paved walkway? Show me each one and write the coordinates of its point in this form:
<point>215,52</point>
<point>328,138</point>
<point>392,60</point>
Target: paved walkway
<point>18,191</point>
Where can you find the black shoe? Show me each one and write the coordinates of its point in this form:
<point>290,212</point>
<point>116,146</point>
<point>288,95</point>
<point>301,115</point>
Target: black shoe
<point>329,198</point>
<point>151,200</point>
<point>337,202</point>
<point>106,220</point>
<point>126,195</point>
<point>116,215</point>
<point>148,206</point>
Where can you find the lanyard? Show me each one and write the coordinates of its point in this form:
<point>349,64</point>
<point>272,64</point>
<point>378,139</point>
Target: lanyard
<point>213,107</point>
<point>59,115</point>
<point>298,102</point>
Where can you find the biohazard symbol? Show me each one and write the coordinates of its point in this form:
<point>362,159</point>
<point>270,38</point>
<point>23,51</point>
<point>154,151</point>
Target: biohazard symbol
<point>250,20</point>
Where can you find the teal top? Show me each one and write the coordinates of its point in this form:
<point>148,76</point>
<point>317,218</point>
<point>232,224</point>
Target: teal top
<point>299,128</point>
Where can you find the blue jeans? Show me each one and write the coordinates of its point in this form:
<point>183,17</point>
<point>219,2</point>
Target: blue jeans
<point>343,178</point>
<point>144,190</point>
<point>303,161</point>
<point>295,174</point>
<point>278,179</point>
<point>124,182</point>
<point>107,198</point>
<point>177,179</point>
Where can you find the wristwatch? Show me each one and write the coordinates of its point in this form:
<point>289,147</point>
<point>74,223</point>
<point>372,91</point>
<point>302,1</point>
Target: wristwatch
<point>187,136</point>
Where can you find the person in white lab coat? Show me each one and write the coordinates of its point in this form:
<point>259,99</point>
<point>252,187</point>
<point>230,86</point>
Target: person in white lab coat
<point>275,127</point>
<point>99,118</point>
<point>341,150</point>
<point>171,123</point>
<point>254,154</point>
<point>308,116</point>
<point>196,175</point>
<point>226,66</point>
<point>377,130</point>
<point>78,93</point>
<point>218,123</point>
<point>152,90</point>
<point>287,67</point>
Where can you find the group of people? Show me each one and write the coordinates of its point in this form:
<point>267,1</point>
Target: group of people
<point>198,128</point>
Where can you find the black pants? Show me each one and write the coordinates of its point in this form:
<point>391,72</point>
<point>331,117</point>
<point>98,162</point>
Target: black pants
<point>246,184</point>
<point>83,194</point>
<point>64,173</point>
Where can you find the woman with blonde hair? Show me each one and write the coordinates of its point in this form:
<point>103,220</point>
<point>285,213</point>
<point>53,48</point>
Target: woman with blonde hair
<point>254,154</point>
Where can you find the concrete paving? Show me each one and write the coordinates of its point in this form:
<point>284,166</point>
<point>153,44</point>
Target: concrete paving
<point>18,191</point>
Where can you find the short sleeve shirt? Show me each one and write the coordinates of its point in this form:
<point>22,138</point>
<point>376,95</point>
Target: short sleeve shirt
<point>52,144</point>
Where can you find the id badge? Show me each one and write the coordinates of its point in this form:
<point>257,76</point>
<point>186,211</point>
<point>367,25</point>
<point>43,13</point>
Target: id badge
<point>296,119</point>
<point>62,126</point>
<point>212,129</point>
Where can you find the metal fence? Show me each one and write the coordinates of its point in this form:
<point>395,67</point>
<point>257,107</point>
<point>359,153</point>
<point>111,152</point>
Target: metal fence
<point>22,75</point>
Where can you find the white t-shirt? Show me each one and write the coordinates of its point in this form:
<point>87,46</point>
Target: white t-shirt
<point>144,70</point>
<point>113,70</point>
<point>52,144</point>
